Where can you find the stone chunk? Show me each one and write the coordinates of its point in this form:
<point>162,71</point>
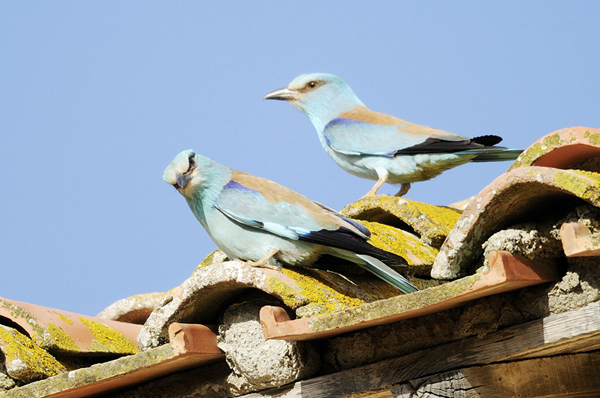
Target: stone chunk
<point>25,361</point>
<point>258,363</point>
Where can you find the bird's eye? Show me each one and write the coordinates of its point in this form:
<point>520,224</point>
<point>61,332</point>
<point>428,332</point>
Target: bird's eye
<point>191,161</point>
<point>312,84</point>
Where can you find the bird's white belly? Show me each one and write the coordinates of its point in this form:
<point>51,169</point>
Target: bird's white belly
<point>248,243</point>
<point>402,169</point>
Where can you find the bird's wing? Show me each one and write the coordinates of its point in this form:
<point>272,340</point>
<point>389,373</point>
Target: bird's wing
<point>264,204</point>
<point>364,132</point>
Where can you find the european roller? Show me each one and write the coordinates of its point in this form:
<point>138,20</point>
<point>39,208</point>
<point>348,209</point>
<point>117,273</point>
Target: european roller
<point>254,219</point>
<point>377,146</point>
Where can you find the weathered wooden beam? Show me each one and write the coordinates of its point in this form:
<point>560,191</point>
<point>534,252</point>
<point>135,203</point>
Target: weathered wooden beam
<point>574,375</point>
<point>569,332</point>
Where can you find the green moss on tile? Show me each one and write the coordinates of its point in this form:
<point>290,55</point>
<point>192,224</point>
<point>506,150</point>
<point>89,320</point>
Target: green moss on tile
<point>25,360</point>
<point>318,292</point>
<point>63,342</point>
<point>108,340</point>
<point>593,138</point>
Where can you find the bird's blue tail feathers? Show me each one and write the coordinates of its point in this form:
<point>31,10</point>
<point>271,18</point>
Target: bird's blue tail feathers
<point>492,154</point>
<point>384,272</point>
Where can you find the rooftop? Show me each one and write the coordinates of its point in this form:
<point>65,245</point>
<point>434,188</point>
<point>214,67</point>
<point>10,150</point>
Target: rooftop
<point>509,279</point>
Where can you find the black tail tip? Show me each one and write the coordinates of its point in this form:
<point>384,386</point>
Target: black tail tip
<point>487,140</point>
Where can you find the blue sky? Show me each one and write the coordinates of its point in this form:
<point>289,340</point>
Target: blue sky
<point>96,98</point>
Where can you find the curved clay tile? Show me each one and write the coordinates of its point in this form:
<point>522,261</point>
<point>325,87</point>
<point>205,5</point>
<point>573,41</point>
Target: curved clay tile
<point>308,292</point>
<point>199,299</point>
<point>67,332</point>
<point>432,223</point>
<point>135,309</point>
<point>502,203</point>
<point>562,149</point>
<point>506,273</point>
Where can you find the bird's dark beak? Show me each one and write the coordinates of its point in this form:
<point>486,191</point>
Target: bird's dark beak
<point>284,94</point>
<point>183,180</point>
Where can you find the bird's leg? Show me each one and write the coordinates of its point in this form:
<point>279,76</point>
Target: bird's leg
<point>403,190</point>
<point>262,263</point>
<point>383,176</point>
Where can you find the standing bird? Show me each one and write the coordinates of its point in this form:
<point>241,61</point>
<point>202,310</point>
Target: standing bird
<point>255,219</point>
<point>377,146</point>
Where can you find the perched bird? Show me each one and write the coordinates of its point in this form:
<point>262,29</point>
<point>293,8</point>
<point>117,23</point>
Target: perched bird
<point>255,219</point>
<point>377,146</point>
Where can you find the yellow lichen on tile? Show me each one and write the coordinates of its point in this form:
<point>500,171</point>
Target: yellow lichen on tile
<point>419,256</point>
<point>109,340</point>
<point>62,341</point>
<point>432,223</point>
<point>394,305</point>
<point>64,318</point>
<point>580,187</point>
<point>25,360</point>
<point>289,296</point>
<point>535,151</point>
<point>38,334</point>
<point>548,143</point>
<point>323,298</point>
<point>216,256</point>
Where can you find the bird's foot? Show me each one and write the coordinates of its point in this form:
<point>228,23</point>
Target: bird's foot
<point>370,193</point>
<point>383,176</point>
<point>403,190</point>
<point>263,262</point>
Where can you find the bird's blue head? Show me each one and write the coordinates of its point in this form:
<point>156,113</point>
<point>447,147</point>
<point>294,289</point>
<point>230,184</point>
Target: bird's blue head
<point>320,96</point>
<point>197,178</point>
<point>182,170</point>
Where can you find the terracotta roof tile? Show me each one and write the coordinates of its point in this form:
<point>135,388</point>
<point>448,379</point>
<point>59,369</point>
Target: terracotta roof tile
<point>562,149</point>
<point>309,292</point>
<point>509,197</point>
<point>578,241</point>
<point>507,272</point>
<point>66,332</point>
<point>560,169</point>
<point>135,309</point>
<point>190,346</point>
<point>431,223</point>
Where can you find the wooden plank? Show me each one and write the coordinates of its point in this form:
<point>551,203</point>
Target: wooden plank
<point>575,330</point>
<point>573,375</point>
